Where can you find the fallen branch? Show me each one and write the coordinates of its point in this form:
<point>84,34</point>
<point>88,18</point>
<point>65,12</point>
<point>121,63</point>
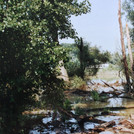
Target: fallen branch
<point>81,119</point>
<point>125,127</point>
<point>69,114</point>
<point>90,119</point>
<point>108,108</point>
<point>109,85</point>
<point>119,73</point>
<point>105,113</point>
<point>104,126</point>
<point>126,97</point>
<point>112,92</point>
<point>93,83</point>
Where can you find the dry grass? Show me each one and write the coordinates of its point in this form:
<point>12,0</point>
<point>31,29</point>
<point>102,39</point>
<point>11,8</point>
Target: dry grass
<point>108,75</point>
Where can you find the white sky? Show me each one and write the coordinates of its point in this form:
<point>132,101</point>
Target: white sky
<point>100,26</point>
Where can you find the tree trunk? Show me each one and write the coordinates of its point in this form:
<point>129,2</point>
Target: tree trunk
<point>129,50</point>
<point>82,69</point>
<point>123,48</point>
<point>63,72</point>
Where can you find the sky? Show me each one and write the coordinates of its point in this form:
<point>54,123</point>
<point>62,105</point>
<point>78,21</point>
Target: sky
<point>100,27</point>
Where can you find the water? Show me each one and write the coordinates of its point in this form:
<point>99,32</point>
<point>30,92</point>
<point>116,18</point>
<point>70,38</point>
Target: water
<point>107,132</point>
<point>86,102</point>
<point>110,118</point>
<point>89,125</point>
<point>46,120</point>
<point>115,102</point>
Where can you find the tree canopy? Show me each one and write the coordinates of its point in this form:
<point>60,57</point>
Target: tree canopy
<point>29,54</point>
<point>129,8</point>
<point>84,57</point>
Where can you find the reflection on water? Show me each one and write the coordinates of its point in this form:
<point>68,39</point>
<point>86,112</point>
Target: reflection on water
<point>107,132</point>
<point>46,120</point>
<point>72,120</point>
<point>115,102</point>
<point>63,128</point>
<point>89,125</point>
<point>46,131</point>
<point>110,118</point>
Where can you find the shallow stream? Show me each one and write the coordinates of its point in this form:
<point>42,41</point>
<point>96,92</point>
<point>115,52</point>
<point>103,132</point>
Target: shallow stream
<point>71,125</point>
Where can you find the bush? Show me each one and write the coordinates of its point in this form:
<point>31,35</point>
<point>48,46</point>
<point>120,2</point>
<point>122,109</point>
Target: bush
<point>66,106</point>
<point>79,111</point>
<point>95,95</point>
<point>84,58</point>
<point>77,83</point>
<point>73,68</point>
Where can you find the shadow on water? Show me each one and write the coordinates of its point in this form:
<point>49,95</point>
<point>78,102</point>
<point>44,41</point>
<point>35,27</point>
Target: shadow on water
<point>56,127</point>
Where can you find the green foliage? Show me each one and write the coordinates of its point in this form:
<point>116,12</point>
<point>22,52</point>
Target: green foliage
<point>116,62</point>
<point>79,111</point>
<point>73,68</point>
<point>77,82</point>
<point>73,64</point>
<point>128,6</point>
<point>67,105</point>
<point>53,96</point>
<point>30,53</point>
<point>78,99</point>
<point>85,58</point>
<point>95,95</point>
<point>106,110</point>
<point>115,58</point>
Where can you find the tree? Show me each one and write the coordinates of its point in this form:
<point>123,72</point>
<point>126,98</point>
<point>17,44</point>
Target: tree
<point>90,58</point>
<point>30,53</point>
<point>130,50</point>
<point>123,49</point>
<point>61,26</point>
<point>128,6</point>
<point>85,58</point>
<point>82,57</point>
<point>129,10</point>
